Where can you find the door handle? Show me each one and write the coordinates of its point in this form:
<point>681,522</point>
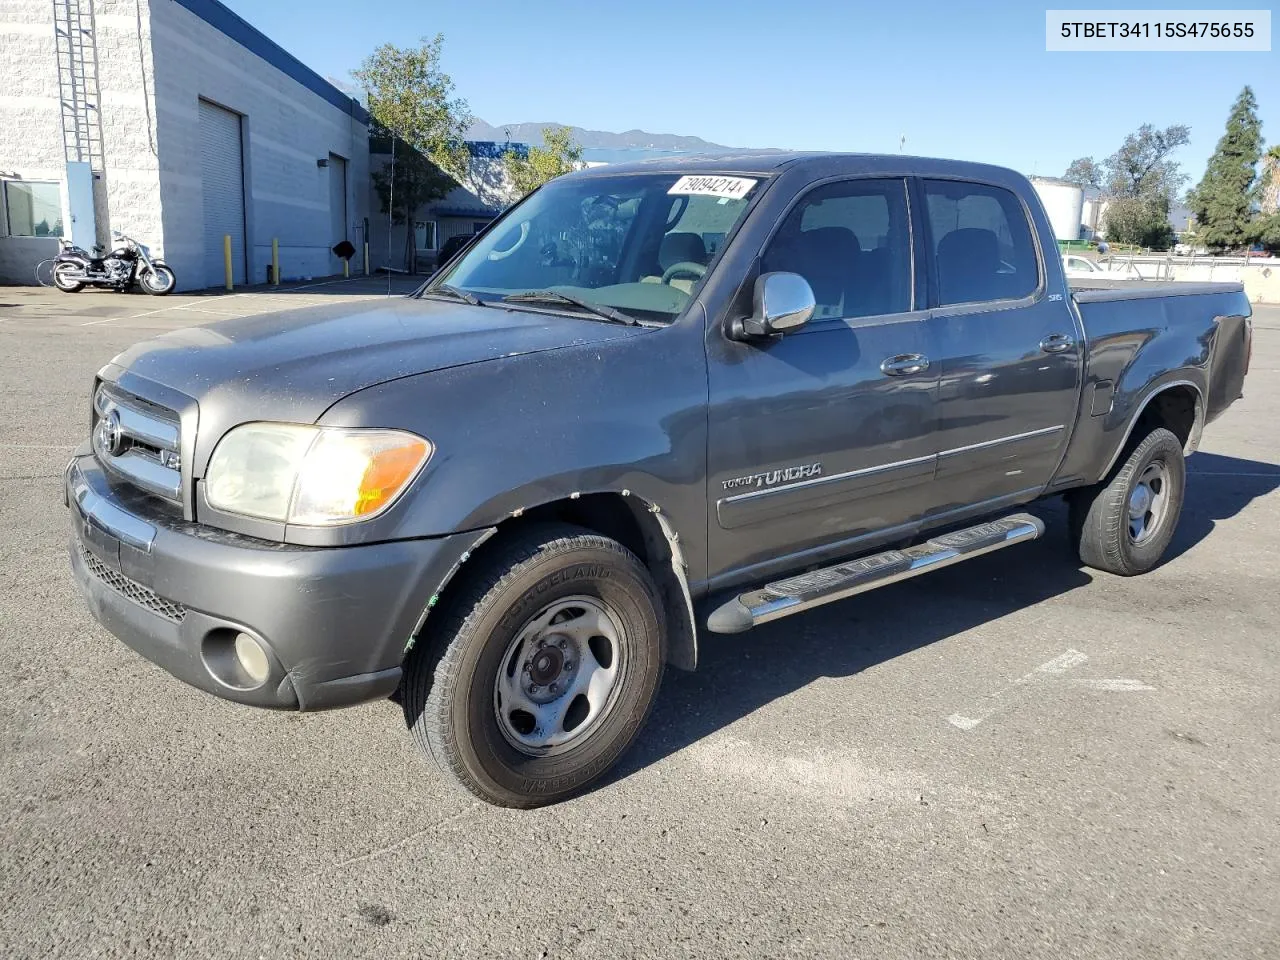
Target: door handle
<point>1057,343</point>
<point>904,365</point>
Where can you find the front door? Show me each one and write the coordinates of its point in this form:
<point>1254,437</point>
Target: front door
<point>1007,347</point>
<point>824,435</point>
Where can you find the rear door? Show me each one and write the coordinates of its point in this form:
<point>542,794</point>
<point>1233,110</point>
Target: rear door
<point>1007,346</point>
<point>815,437</point>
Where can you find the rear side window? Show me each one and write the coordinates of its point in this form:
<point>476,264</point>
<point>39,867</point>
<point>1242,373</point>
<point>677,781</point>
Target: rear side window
<point>852,241</point>
<point>982,244</point>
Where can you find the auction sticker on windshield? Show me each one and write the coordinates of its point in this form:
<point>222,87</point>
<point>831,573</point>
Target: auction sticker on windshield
<point>730,188</point>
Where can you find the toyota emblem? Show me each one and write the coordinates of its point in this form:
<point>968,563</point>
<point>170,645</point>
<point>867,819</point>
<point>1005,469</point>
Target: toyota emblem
<point>110,437</point>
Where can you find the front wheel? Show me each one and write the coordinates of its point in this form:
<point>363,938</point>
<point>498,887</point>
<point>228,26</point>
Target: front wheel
<point>541,670</point>
<point>66,277</point>
<point>158,281</point>
<point>1124,526</point>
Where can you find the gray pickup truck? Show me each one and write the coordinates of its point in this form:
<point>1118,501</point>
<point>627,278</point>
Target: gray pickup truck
<point>650,401</point>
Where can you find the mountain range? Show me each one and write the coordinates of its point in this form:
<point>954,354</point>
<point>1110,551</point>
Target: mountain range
<point>593,139</point>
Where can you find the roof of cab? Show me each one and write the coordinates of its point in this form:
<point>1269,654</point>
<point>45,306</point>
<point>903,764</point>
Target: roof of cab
<point>772,162</point>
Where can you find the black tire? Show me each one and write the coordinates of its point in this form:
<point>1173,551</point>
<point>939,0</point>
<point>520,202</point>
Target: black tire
<point>163,279</point>
<point>451,687</point>
<point>65,287</point>
<point>1101,525</point>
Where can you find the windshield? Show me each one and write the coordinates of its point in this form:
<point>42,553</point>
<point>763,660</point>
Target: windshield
<point>637,243</point>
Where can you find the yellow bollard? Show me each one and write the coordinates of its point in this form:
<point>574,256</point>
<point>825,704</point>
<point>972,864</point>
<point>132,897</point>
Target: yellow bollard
<point>346,267</point>
<point>275,261</point>
<point>366,258</point>
<point>226,256</point>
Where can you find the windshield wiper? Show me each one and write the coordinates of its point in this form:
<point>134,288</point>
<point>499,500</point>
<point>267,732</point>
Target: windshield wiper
<point>454,293</point>
<point>555,296</point>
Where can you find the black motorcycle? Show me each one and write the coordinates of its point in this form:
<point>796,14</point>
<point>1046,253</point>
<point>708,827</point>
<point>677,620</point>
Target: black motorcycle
<point>75,268</point>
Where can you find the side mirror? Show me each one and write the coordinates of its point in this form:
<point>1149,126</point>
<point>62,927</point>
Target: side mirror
<point>781,303</point>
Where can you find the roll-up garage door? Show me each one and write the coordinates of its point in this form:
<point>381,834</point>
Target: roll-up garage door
<point>222,175</point>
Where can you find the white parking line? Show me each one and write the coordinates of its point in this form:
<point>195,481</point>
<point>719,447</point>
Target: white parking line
<point>1050,672</point>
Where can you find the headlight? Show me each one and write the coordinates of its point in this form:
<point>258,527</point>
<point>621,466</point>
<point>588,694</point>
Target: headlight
<point>312,475</point>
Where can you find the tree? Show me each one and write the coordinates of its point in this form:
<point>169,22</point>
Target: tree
<point>1144,222</point>
<point>1084,172</point>
<point>1140,182</point>
<point>1269,180</point>
<point>1223,201</point>
<point>1266,231</point>
<point>558,155</point>
<point>410,99</point>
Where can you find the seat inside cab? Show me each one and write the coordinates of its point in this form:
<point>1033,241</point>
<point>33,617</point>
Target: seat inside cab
<point>680,249</point>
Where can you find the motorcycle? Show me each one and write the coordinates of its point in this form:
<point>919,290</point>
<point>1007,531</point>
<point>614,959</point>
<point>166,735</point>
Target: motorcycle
<point>130,261</point>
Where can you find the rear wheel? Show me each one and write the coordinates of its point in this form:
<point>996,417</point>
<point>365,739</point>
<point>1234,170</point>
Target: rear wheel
<point>542,669</point>
<point>66,277</point>
<point>1124,526</point>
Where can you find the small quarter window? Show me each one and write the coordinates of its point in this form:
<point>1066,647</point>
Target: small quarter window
<point>982,243</point>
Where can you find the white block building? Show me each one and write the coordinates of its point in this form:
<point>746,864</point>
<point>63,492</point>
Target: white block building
<point>178,124</point>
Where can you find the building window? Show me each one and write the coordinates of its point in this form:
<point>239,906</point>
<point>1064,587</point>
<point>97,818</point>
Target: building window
<point>425,231</point>
<point>33,209</point>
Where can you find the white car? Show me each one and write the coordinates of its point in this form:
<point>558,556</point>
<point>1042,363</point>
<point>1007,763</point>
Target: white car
<point>1082,268</point>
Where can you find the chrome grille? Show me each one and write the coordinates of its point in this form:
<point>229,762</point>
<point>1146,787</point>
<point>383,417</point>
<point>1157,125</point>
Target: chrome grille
<point>138,441</point>
<point>132,590</point>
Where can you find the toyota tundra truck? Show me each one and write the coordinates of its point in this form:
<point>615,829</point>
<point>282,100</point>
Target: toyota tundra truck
<point>649,402</point>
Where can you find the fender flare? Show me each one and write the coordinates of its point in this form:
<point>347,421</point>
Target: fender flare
<point>1197,425</point>
<point>682,650</point>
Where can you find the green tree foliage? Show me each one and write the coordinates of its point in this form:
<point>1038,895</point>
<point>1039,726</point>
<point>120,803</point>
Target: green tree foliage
<point>412,97</point>
<point>559,154</point>
<point>1139,183</point>
<point>1223,201</point>
<point>1084,172</point>
<point>1142,221</point>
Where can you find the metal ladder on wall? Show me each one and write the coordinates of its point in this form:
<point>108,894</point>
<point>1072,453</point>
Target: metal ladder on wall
<point>78,81</point>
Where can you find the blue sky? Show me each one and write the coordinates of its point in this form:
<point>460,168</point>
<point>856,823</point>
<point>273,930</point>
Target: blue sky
<point>959,80</point>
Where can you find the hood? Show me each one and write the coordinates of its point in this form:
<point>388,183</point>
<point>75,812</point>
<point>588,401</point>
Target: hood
<point>295,365</point>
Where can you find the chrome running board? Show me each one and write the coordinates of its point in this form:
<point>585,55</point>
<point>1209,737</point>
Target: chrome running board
<point>812,589</point>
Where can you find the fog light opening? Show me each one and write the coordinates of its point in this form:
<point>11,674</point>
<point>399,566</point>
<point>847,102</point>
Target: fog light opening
<point>237,659</point>
<point>252,658</point>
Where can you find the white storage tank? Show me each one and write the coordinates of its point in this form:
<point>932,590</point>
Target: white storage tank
<point>1064,203</point>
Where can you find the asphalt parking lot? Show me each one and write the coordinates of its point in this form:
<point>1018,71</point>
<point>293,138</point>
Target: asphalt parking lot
<point>1014,757</point>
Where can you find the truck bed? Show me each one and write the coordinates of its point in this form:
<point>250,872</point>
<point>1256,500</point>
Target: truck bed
<point>1136,331</point>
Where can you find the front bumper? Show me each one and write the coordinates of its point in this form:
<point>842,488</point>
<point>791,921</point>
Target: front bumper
<point>334,621</point>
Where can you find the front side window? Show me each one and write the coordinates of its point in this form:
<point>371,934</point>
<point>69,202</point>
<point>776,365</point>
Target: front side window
<point>638,243</point>
<point>982,243</point>
<point>852,242</point>
<point>33,209</point>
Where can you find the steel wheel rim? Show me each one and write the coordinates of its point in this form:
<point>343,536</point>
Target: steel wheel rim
<point>560,675</point>
<point>1148,502</point>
